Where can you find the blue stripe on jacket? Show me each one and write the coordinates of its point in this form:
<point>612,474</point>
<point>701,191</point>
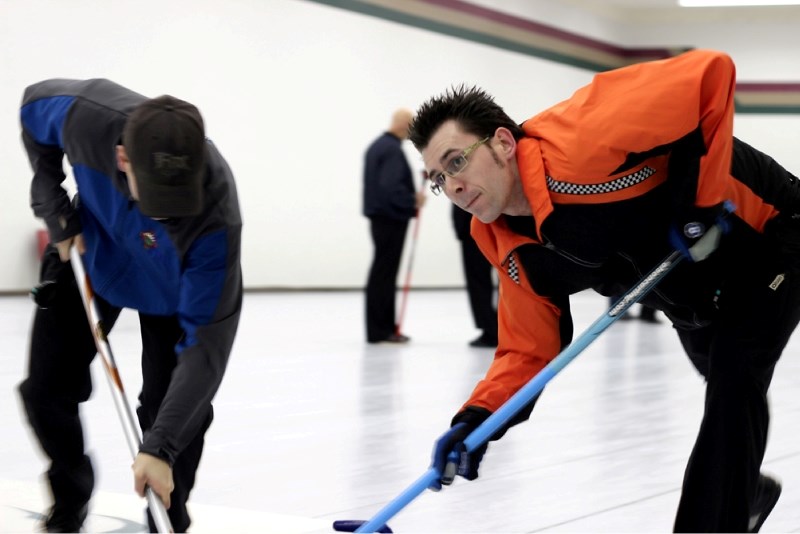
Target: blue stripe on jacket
<point>44,119</point>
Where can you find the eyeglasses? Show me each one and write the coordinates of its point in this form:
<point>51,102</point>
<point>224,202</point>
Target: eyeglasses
<point>453,167</point>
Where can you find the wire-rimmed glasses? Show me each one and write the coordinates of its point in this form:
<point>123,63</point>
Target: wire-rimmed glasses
<point>453,167</point>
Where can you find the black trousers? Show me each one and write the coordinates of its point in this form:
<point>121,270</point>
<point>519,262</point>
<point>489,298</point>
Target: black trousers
<point>61,350</point>
<point>737,353</point>
<point>388,237</point>
<point>480,287</point>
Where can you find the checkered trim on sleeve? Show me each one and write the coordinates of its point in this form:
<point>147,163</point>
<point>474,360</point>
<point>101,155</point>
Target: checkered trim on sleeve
<point>513,270</point>
<point>569,188</point>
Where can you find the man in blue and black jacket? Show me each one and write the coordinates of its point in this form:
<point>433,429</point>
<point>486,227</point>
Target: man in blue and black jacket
<point>157,221</point>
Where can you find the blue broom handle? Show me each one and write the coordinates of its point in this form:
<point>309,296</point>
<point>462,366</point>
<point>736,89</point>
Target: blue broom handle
<point>535,385</point>
<point>526,394</point>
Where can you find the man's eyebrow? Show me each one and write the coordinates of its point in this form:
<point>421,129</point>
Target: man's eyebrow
<point>446,154</point>
<point>442,159</point>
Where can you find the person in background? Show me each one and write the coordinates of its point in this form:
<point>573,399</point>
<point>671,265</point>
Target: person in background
<point>480,286</point>
<point>390,201</point>
<point>156,220</point>
<point>593,193</point>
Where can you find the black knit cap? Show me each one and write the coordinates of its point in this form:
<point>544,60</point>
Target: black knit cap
<point>165,142</point>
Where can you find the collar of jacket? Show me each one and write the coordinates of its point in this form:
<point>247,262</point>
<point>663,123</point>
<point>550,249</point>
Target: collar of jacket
<point>496,240</point>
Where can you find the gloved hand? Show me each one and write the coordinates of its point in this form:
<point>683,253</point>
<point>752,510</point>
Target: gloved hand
<point>53,277</point>
<point>460,462</point>
<point>698,230</point>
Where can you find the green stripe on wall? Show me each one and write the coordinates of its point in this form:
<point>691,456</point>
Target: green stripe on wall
<point>366,8</point>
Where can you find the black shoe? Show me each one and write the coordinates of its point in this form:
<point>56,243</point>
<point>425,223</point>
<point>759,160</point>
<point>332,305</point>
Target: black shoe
<point>767,494</point>
<point>60,520</point>
<point>483,341</point>
<point>396,339</point>
<point>71,485</point>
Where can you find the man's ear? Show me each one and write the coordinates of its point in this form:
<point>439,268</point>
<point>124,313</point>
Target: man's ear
<point>122,159</point>
<point>508,144</point>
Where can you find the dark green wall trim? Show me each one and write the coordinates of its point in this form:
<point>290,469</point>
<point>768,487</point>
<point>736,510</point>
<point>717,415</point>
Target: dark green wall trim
<point>771,110</point>
<point>366,8</point>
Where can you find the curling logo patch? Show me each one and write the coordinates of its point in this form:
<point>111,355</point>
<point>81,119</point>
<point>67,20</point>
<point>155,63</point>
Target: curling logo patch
<point>148,240</point>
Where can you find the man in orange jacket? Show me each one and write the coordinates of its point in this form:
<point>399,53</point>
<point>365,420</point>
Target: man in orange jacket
<point>594,192</point>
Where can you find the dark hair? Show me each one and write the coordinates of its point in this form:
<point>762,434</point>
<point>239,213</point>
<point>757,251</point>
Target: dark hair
<point>472,108</point>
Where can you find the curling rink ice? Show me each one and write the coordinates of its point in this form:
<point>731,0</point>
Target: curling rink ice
<point>312,424</point>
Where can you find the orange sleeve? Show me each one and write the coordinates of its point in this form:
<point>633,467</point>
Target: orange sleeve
<point>528,333</point>
<point>639,108</point>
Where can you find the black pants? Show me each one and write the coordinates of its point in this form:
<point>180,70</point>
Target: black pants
<point>59,379</point>
<point>736,354</point>
<point>480,287</point>
<point>388,237</point>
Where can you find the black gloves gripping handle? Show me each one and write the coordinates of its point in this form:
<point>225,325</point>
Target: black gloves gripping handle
<point>697,232</point>
<point>450,456</point>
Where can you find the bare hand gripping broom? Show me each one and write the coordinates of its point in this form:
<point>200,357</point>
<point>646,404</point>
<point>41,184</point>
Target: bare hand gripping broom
<point>124,411</point>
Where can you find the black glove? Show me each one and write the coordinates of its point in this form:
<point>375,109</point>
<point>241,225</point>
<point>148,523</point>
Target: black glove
<point>463,464</point>
<point>53,276</point>
<point>697,231</point>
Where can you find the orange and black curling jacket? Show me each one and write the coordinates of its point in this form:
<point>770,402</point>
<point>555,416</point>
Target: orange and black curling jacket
<point>606,173</point>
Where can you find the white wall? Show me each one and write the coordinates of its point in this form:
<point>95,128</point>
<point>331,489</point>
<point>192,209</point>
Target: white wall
<point>765,46</point>
<point>292,93</point>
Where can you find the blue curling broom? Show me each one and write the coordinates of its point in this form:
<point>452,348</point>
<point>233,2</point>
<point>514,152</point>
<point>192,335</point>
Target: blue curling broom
<point>525,395</point>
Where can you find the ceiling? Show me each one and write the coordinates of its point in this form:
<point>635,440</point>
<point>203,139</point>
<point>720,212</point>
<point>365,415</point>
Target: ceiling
<point>630,10</point>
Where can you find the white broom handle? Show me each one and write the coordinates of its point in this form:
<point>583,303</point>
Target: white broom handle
<point>129,426</point>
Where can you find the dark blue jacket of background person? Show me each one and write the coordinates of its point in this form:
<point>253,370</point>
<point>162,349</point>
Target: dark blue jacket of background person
<point>187,267</point>
<point>388,182</point>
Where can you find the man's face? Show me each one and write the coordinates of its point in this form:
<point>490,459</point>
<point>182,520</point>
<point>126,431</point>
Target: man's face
<point>484,185</point>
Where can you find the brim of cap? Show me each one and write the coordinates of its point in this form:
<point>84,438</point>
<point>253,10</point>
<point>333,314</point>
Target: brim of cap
<point>168,201</point>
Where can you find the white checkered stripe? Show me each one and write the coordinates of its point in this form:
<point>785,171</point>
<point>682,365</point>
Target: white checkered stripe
<point>569,188</point>
<point>513,270</point>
